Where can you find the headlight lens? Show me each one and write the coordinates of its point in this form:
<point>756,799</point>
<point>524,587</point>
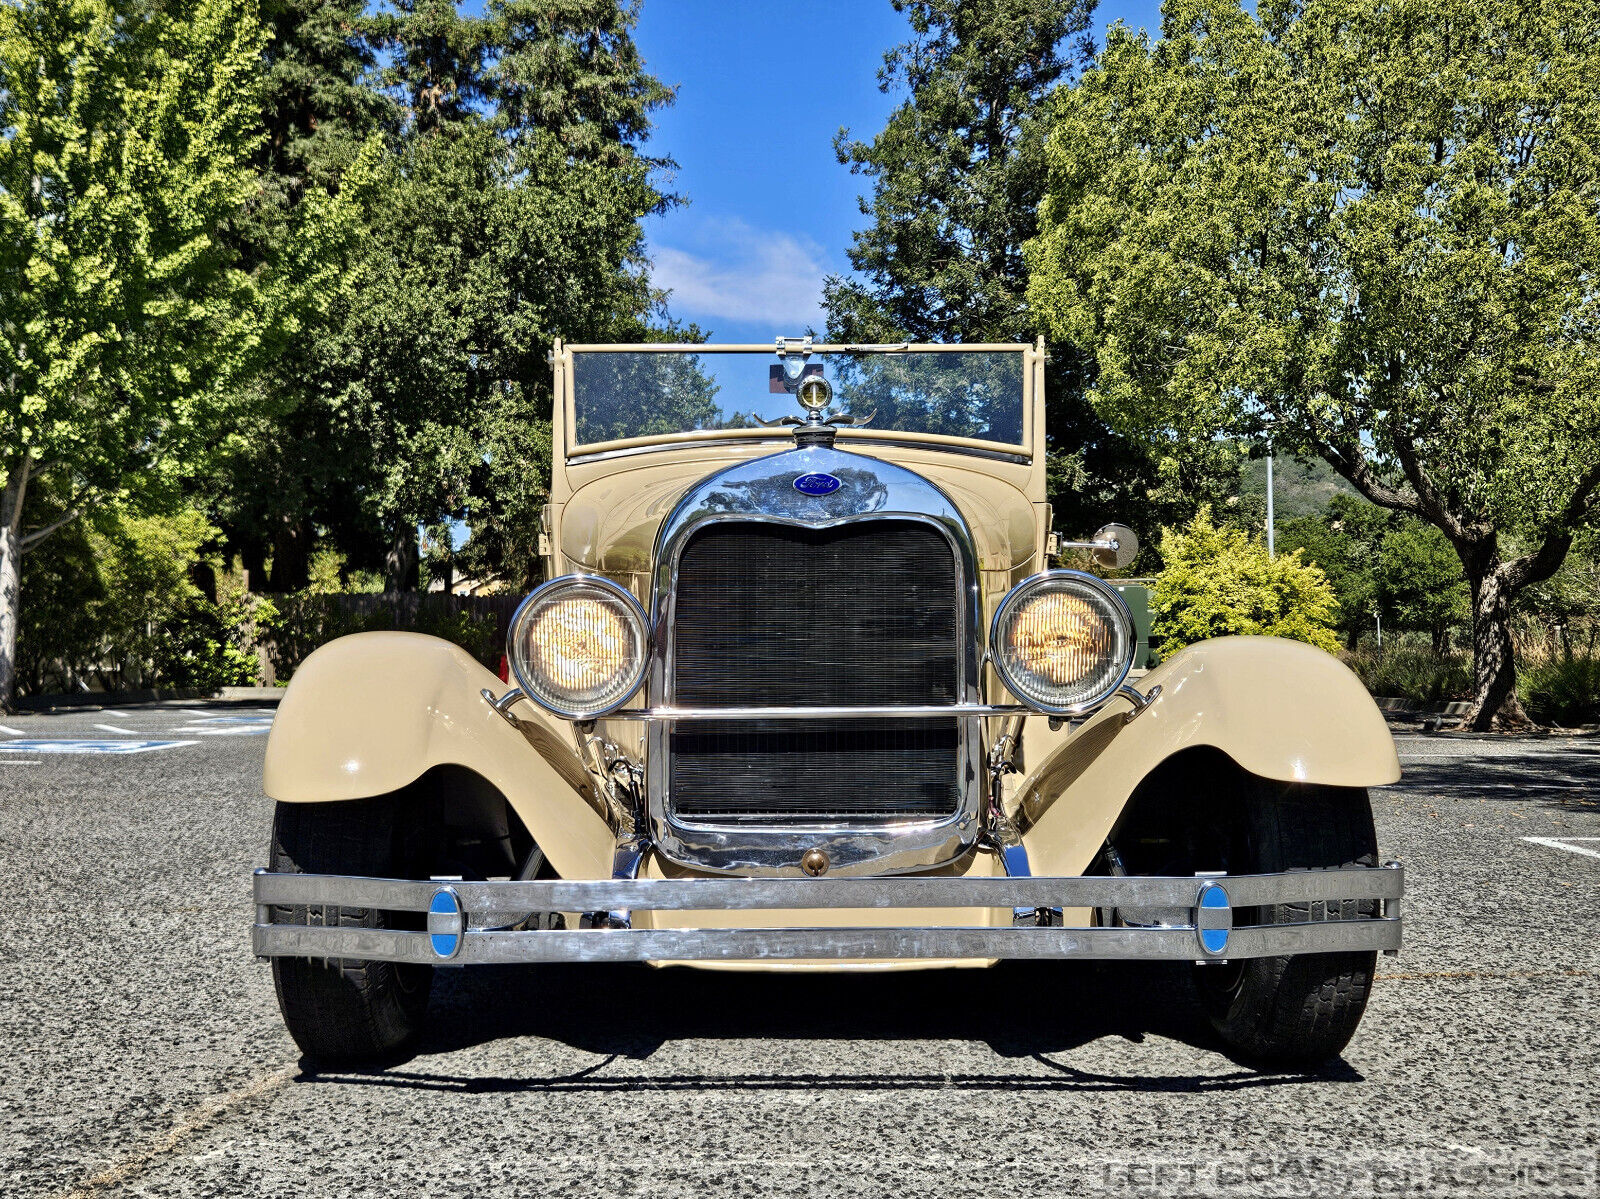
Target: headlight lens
<point>1062,642</point>
<point>578,646</point>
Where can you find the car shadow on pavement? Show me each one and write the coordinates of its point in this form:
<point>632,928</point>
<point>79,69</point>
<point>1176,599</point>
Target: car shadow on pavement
<point>1027,1012</point>
<point>1564,782</point>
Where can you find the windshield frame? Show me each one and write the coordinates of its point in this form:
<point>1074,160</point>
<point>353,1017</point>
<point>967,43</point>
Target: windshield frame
<point>1033,357</point>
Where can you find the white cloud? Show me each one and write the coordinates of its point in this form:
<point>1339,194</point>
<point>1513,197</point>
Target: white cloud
<point>734,271</point>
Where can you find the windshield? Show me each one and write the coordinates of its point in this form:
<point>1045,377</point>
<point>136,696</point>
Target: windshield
<point>621,394</point>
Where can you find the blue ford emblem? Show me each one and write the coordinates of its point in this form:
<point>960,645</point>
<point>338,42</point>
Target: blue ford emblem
<point>1214,918</point>
<point>446,922</point>
<point>816,484</point>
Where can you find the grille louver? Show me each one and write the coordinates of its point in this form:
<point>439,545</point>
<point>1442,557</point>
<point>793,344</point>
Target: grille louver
<point>773,615</point>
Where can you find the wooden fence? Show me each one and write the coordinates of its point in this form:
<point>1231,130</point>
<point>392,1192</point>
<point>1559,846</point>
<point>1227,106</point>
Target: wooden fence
<point>478,623</point>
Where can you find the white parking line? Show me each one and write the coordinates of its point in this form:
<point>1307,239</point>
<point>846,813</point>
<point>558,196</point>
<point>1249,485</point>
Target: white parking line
<point>111,728</point>
<point>112,712</point>
<point>1564,843</point>
<point>19,761</point>
<point>6,728</point>
<point>83,746</point>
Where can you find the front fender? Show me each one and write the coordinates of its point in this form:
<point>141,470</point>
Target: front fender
<point>1280,709</point>
<point>368,714</point>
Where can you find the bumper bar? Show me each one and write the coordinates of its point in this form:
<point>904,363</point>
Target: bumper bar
<point>1209,932</point>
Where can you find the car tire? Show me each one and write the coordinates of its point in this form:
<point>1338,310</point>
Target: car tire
<point>1299,1010</point>
<point>346,1009</point>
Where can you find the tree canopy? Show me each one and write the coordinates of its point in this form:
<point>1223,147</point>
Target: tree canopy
<point>125,319</point>
<point>1368,231</point>
<point>958,173</point>
<point>505,213</point>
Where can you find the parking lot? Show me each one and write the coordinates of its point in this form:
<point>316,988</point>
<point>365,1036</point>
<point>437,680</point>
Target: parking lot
<point>141,1050</point>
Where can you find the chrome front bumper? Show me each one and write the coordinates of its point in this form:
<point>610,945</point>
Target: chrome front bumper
<point>1208,934</point>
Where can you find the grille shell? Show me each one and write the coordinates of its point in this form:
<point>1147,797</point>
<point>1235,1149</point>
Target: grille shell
<point>786,616</point>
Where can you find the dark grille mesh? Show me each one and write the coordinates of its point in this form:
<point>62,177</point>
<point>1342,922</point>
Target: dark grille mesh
<point>769,615</point>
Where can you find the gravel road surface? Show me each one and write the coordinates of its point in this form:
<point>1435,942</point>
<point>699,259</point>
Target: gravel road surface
<point>141,1050</point>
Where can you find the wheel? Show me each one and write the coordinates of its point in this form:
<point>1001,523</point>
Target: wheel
<point>347,1008</point>
<point>1303,1009</point>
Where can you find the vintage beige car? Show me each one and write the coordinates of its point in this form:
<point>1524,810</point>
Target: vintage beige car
<point>805,690</point>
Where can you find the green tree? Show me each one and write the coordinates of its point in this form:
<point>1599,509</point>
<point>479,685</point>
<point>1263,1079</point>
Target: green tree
<point>1370,231</point>
<point>277,488</point>
<point>507,212</point>
<point>116,601</point>
<point>1420,588</point>
<point>1382,564</point>
<point>1218,582</point>
<point>436,62</point>
<point>125,133</point>
<point>1345,557</point>
<point>429,393</point>
<point>571,68</point>
<point>958,173</point>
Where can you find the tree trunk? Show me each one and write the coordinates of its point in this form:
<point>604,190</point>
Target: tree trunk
<point>253,557</point>
<point>400,563</point>
<point>11,500</point>
<point>1494,667</point>
<point>291,561</point>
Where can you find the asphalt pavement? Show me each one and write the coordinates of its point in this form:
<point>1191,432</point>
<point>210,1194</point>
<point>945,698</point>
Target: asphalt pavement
<point>141,1050</point>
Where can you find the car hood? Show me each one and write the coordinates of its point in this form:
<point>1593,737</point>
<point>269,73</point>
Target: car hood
<point>610,525</point>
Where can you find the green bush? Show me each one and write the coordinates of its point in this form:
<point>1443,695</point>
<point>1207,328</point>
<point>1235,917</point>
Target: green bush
<point>1405,672</point>
<point>306,620</point>
<point>1562,690</point>
<point>1218,582</point>
<point>113,600</point>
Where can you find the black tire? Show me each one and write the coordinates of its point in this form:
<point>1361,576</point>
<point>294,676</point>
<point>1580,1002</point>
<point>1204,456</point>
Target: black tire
<point>1300,1010</point>
<point>347,1009</point>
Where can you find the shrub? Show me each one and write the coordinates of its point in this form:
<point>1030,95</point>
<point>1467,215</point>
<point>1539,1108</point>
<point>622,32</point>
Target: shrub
<point>305,620</point>
<point>1562,690</point>
<point>1218,582</point>
<point>113,599</point>
<point>1406,672</point>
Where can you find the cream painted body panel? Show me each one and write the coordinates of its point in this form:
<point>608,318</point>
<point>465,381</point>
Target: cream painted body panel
<point>1280,709</point>
<point>367,714</point>
<point>609,523</point>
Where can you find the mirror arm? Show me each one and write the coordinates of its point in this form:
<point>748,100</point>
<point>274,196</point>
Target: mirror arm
<point>1110,543</point>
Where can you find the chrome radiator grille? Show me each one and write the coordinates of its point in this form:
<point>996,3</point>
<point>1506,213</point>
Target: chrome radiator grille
<point>777,616</point>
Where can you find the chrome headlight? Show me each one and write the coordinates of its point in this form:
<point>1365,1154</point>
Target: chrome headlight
<point>1062,642</point>
<point>578,646</point>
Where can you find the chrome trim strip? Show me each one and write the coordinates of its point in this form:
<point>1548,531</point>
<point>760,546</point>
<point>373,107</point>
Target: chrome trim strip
<point>877,437</point>
<point>778,437</point>
<point>724,944</point>
<point>758,491</point>
<point>901,711</point>
<point>768,347</point>
<point>1385,883</point>
<point>885,437</point>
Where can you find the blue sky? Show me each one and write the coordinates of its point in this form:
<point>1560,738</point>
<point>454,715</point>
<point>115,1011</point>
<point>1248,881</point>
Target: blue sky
<point>762,89</point>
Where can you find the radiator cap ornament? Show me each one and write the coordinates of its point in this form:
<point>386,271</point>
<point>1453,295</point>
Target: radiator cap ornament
<point>817,483</point>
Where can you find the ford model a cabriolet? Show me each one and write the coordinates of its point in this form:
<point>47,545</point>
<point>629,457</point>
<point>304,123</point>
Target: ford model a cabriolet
<point>804,690</point>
